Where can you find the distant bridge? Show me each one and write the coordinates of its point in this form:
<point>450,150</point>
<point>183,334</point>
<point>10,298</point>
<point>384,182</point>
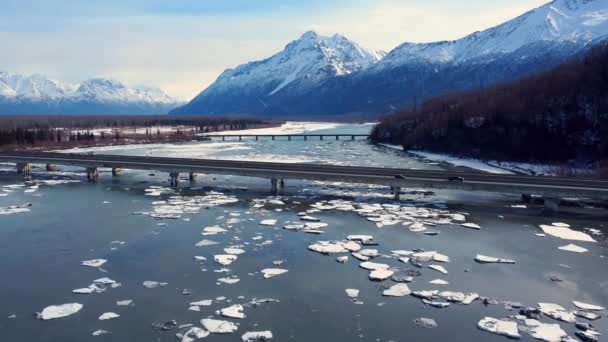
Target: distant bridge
<point>288,137</point>
<point>553,187</point>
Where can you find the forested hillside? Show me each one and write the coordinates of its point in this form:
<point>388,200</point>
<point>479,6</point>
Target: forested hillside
<point>557,115</point>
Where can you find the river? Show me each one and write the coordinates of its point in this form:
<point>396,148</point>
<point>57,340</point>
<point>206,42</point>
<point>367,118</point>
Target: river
<point>147,231</point>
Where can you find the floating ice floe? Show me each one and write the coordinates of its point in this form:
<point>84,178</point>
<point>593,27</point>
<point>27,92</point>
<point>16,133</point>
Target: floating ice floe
<point>361,238</point>
<point>273,272</point>
<point>483,259</point>
<point>458,217</point>
<point>100,332</point>
<point>380,274</point>
<point>234,250</point>
<point>368,265</point>
<point>471,225</point>
<point>370,253</point>
<point>268,222</point>
<point>424,256</point>
<point>326,247</point>
<point>252,336</point>
<point>417,227</point>
<point>205,242</point>
<point>499,327</point>
<point>360,257</point>
<point>557,312</point>
<point>342,259</point>
<point>352,293</point>
<point>224,259</point>
<point>151,284</point>
<point>105,281</point>
<point>590,307</point>
<point>351,246</point>
<point>397,290</point>
<point>213,230</point>
<point>544,331</point>
<point>438,282</point>
<point>436,304</point>
<point>199,258</point>
<point>15,209</point>
<point>86,290</point>
<point>424,294</point>
<point>573,248</point>
<point>124,302</point>
<point>588,335</point>
<point>229,281</point>
<point>315,225</point>
<point>438,268</point>
<point>94,262</point>
<point>402,253</point>
<point>108,315</point>
<point>216,326</point>
<point>309,218</point>
<point>441,258</point>
<point>592,316</point>
<point>566,233</point>
<point>424,322</point>
<point>59,311</point>
<point>233,311</point>
<point>204,302</point>
<point>194,334</point>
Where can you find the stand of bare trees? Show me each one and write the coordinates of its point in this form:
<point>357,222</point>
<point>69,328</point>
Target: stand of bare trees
<point>557,116</point>
<point>59,131</point>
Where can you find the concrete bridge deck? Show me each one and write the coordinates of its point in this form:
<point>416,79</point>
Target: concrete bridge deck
<point>395,178</point>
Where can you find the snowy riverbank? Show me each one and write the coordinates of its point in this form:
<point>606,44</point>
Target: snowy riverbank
<point>490,166</point>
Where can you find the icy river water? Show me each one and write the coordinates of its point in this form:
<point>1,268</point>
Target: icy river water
<point>222,255</point>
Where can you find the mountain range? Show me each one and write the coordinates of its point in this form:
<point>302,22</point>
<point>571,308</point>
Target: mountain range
<point>36,94</point>
<point>318,76</point>
<point>334,76</point>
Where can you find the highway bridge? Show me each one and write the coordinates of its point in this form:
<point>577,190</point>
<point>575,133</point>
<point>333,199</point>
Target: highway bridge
<point>288,137</point>
<point>278,172</point>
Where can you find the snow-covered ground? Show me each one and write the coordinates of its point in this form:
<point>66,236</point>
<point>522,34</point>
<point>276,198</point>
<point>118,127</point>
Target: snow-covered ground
<point>490,166</point>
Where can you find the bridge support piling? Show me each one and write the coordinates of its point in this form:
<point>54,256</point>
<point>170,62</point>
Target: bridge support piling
<point>352,138</point>
<point>223,138</point>
<point>24,169</point>
<point>51,167</point>
<point>240,138</point>
<point>337,137</point>
<point>321,137</point>
<point>92,174</point>
<point>115,172</point>
<point>305,137</point>
<point>397,192</point>
<point>273,137</point>
<point>274,185</point>
<point>193,177</point>
<point>174,176</point>
<point>289,137</point>
<point>257,138</point>
<point>282,183</point>
<point>552,204</point>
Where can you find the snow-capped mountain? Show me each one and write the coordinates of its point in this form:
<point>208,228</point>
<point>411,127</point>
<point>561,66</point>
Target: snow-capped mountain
<point>36,94</point>
<point>295,82</point>
<point>578,22</point>
<point>301,66</point>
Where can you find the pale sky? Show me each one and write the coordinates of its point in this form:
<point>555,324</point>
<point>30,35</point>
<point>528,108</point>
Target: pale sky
<point>182,46</point>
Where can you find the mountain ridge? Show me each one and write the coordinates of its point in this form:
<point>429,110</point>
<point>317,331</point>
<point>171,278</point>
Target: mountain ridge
<point>37,94</point>
<point>530,43</point>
